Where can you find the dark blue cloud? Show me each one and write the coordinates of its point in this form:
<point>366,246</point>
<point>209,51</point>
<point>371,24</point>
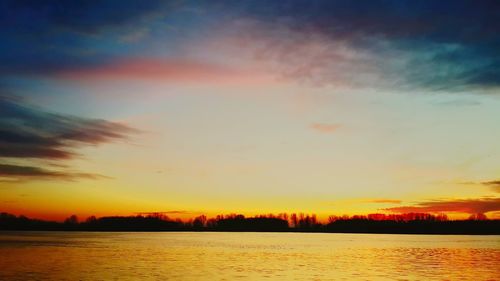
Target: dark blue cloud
<point>459,38</point>
<point>46,16</point>
<point>46,36</point>
<point>23,173</point>
<point>29,134</point>
<point>439,21</point>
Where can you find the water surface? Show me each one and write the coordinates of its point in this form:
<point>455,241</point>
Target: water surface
<point>246,256</point>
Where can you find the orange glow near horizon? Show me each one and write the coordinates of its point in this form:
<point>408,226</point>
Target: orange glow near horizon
<point>186,215</point>
<point>217,114</point>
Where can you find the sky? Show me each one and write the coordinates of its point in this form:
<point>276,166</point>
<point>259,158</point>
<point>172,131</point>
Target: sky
<point>209,107</point>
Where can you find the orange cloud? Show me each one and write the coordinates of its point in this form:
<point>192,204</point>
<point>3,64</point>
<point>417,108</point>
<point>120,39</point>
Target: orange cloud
<point>469,206</point>
<point>325,128</point>
<point>165,70</point>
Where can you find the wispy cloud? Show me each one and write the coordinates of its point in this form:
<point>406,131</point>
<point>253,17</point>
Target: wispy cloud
<point>470,206</point>
<point>495,185</point>
<point>432,44</point>
<point>29,133</point>
<point>162,70</point>
<point>324,127</point>
<point>384,201</point>
<point>22,173</point>
<point>404,46</point>
<point>457,102</point>
<point>439,45</point>
<point>81,16</point>
<point>47,37</point>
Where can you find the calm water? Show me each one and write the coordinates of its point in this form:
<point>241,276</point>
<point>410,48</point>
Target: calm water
<point>247,256</point>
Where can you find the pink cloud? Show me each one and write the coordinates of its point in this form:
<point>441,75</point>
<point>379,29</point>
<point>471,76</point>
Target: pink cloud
<point>325,128</point>
<point>309,58</point>
<point>168,71</point>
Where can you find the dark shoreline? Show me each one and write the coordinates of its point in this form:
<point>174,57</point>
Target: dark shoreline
<point>420,224</point>
<point>243,231</point>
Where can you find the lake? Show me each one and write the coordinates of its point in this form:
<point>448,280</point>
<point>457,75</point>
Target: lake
<point>246,256</point>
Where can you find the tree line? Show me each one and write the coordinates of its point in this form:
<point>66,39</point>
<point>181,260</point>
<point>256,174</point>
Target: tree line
<point>411,223</point>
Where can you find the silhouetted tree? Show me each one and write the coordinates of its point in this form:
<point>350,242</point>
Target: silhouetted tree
<point>294,219</point>
<point>200,222</point>
<point>91,219</point>
<point>478,217</point>
<point>71,220</point>
<point>372,223</point>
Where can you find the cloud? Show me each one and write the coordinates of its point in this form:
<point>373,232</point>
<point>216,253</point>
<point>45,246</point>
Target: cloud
<point>49,36</point>
<point>21,173</point>
<point>309,58</point>
<point>29,133</point>
<point>33,133</point>
<point>495,185</point>
<point>470,206</point>
<point>458,103</point>
<point>325,128</point>
<point>79,16</point>
<point>135,35</point>
<point>436,45</point>
<point>384,201</point>
<point>167,70</point>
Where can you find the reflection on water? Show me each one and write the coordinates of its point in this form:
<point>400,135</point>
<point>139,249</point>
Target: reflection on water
<point>255,256</point>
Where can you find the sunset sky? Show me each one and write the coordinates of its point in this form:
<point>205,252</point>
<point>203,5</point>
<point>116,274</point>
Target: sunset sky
<point>191,107</point>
